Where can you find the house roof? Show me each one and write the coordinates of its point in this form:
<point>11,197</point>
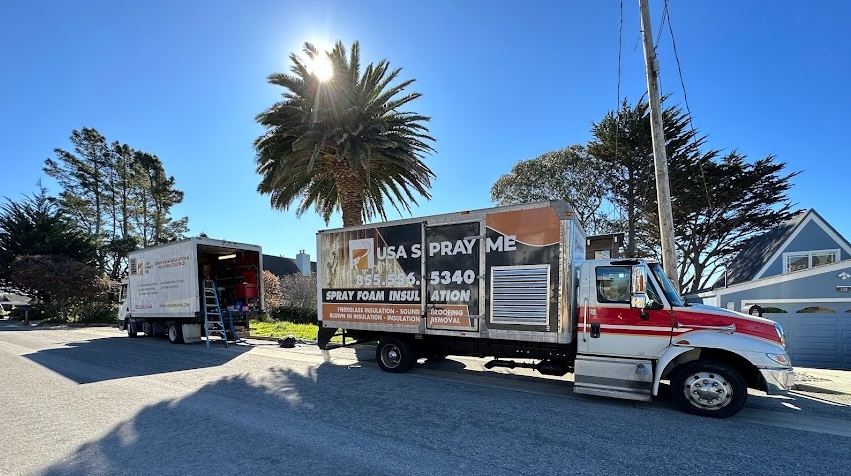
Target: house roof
<point>762,249</point>
<point>280,266</point>
<point>14,299</point>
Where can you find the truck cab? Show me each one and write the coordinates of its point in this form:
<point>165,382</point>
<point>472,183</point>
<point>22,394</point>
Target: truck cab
<point>629,310</point>
<point>124,307</point>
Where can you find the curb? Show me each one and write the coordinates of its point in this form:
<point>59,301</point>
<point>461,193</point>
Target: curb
<point>803,387</point>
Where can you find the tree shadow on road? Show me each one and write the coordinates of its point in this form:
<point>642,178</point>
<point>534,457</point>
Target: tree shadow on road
<point>84,361</point>
<point>332,419</point>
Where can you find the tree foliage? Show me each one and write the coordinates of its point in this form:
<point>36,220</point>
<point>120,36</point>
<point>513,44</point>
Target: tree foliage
<point>717,203</point>
<point>344,144</point>
<point>299,291</point>
<point>570,174</point>
<point>35,225</point>
<point>722,204</point>
<point>58,279</point>
<point>624,140</point>
<point>271,290</point>
<point>83,178</point>
<point>122,197</point>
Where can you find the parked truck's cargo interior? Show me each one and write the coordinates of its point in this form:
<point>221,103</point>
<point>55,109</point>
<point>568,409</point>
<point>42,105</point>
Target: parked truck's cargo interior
<point>235,273</point>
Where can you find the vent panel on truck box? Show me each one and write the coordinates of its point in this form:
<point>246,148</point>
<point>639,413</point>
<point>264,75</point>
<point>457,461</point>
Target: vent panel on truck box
<point>520,294</point>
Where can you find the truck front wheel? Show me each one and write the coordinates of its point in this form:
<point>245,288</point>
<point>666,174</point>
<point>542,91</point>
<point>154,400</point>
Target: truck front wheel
<point>131,328</point>
<point>175,334</point>
<point>708,388</point>
<point>395,355</point>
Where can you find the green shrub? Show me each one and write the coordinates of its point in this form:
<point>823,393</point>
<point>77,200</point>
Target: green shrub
<point>95,312</point>
<point>38,312</point>
<point>264,317</point>
<point>296,315</point>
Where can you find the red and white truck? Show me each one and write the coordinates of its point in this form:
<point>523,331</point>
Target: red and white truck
<point>513,283</point>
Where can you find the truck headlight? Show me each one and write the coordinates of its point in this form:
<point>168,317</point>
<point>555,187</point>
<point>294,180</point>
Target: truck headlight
<point>780,334</point>
<point>781,359</point>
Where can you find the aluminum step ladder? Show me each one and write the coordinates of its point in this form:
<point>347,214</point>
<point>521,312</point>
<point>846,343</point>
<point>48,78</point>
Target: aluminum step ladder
<point>214,325</point>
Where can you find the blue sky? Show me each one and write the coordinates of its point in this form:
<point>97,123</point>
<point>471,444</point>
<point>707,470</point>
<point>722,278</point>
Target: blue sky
<point>502,81</point>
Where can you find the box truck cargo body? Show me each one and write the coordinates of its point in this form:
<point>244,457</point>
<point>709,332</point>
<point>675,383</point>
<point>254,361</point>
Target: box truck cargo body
<point>513,283</point>
<point>164,293</point>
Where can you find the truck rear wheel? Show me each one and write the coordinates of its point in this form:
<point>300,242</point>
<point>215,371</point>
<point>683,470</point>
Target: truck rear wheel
<point>708,388</point>
<point>395,355</point>
<point>175,334</point>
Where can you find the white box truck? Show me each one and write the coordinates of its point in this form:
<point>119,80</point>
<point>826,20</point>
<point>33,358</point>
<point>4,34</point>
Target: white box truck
<point>513,283</point>
<point>164,292</point>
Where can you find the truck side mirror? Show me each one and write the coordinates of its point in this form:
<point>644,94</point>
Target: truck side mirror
<point>638,293</point>
<point>638,301</point>
<point>639,283</point>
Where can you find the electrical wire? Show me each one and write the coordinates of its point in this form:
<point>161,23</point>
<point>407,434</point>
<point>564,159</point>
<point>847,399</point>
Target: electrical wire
<point>710,216</point>
<point>618,103</point>
<point>688,109</point>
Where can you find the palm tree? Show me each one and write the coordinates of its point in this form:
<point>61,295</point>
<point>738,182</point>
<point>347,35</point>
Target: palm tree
<point>342,144</point>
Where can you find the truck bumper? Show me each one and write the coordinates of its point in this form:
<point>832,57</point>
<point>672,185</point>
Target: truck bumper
<point>777,381</point>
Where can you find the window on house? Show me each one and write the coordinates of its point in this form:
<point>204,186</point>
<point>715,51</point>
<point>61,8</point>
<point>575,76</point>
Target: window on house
<point>809,259</point>
<point>815,310</point>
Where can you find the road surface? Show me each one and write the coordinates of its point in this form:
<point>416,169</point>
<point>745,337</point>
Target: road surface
<point>92,401</point>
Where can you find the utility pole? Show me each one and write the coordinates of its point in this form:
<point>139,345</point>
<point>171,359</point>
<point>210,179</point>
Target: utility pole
<point>660,158</point>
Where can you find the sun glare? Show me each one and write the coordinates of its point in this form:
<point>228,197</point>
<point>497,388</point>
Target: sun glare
<point>321,67</point>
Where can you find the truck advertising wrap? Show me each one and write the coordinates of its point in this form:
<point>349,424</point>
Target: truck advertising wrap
<point>435,274</point>
<point>523,270</point>
<point>159,278</point>
<point>373,275</point>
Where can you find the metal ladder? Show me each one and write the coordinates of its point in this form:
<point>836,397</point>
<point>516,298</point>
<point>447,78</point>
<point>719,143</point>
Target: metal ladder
<point>213,323</point>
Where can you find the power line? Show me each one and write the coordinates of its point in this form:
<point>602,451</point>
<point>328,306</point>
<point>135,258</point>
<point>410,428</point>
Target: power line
<point>688,109</point>
<point>617,114</point>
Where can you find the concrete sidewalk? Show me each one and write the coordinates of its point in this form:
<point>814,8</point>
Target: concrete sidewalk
<point>823,380</point>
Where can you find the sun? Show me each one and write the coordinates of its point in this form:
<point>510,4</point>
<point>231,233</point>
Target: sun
<point>320,66</point>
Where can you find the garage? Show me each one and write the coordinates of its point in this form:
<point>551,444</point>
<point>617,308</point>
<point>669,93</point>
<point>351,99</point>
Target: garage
<point>817,339</point>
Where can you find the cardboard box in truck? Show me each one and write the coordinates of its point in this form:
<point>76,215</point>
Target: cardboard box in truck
<point>164,292</point>
<point>513,283</point>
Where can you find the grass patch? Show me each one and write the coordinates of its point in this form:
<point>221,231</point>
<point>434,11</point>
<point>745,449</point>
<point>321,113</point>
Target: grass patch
<point>283,329</point>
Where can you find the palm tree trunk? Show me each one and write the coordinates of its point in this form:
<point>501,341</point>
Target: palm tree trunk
<point>350,185</point>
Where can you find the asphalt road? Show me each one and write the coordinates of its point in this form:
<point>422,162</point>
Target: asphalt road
<point>92,401</point>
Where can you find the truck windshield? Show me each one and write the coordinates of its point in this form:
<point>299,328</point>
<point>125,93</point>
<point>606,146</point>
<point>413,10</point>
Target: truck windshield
<point>667,287</point>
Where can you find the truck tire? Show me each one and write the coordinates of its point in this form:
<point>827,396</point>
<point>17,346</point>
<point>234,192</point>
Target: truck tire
<point>175,333</point>
<point>708,388</point>
<point>395,355</point>
<point>131,329</point>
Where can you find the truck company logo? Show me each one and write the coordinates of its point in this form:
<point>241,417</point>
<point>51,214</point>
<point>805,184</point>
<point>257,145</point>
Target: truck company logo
<point>362,253</point>
<point>138,266</point>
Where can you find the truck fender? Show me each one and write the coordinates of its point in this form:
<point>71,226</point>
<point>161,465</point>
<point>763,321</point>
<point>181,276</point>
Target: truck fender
<point>749,348</point>
<point>667,357</point>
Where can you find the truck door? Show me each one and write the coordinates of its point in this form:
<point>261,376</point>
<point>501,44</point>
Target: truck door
<point>452,259</point>
<point>611,327</point>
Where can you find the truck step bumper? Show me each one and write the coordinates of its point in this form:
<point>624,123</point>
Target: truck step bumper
<point>612,377</point>
<point>777,381</point>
